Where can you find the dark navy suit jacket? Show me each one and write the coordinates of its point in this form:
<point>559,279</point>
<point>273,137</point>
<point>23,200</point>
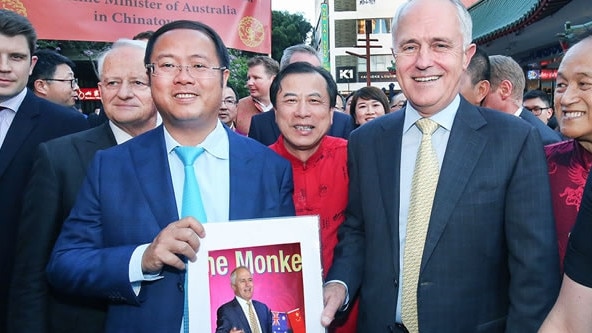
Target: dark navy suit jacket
<point>58,172</point>
<point>231,315</point>
<point>37,120</point>
<point>126,199</point>
<point>265,130</point>
<point>548,135</point>
<point>490,261</point>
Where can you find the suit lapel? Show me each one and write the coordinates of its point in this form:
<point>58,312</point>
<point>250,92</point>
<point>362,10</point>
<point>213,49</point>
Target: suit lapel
<point>463,151</point>
<point>25,120</point>
<point>388,158</point>
<point>98,138</point>
<point>241,315</point>
<point>149,157</point>
<point>242,177</point>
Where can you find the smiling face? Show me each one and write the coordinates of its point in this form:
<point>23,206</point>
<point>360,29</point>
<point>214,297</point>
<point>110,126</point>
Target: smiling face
<point>428,48</point>
<point>368,109</point>
<point>16,64</point>
<point>243,286</point>
<point>573,95</point>
<point>303,113</point>
<point>185,100</point>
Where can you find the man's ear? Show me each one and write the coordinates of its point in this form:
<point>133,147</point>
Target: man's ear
<point>506,89</point>
<point>40,87</point>
<point>483,88</point>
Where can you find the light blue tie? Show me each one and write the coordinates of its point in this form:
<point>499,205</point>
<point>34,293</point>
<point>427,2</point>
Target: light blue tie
<point>192,204</point>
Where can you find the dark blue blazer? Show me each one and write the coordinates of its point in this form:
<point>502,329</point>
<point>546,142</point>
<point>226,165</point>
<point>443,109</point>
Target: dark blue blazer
<point>265,130</point>
<point>37,120</point>
<point>126,199</point>
<point>231,315</point>
<point>490,261</point>
<point>548,135</point>
<point>58,172</point>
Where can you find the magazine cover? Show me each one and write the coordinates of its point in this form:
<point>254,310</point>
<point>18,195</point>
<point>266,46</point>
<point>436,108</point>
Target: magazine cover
<point>282,256</point>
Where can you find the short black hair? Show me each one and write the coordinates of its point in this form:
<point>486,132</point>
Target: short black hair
<point>13,24</point>
<point>538,94</point>
<point>47,61</point>
<point>236,96</point>
<point>143,35</point>
<point>221,50</point>
<point>479,67</point>
<point>303,68</point>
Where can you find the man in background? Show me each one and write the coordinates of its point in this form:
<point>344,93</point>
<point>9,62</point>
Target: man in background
<point>260,73</point>
<point>53,78</point>
<point>25,121</point>
<point>474,83</point>
<point>264,127</point>
<point>507,86</point>
<point>58,172</point>
<point>539,103</point>
<point>227,113</point>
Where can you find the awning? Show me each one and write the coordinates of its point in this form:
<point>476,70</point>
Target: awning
<point>496,18</point>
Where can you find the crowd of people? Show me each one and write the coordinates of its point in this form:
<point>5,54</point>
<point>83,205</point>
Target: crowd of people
<point>455,206</point>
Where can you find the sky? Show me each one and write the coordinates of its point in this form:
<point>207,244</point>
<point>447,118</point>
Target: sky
<point>306,7</point>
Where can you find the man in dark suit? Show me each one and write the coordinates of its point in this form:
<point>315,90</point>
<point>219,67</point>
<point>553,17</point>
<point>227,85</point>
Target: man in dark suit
<point>58,172</point>
<point>125,239</point>
<point>264,127</point>
<point>234,316</point>
<point>25,121</point>
<point>488,261</point>
<point>506,93</point>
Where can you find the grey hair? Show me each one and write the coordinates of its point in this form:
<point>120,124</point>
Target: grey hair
<point>299,48</point>
<point>235,272</point>
<point>466,23</point>
<point>123,42</point>
<point>506,68</point>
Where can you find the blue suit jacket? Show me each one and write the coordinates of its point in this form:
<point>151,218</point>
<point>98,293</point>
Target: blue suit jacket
<point>548,135</point>
<point>231,315</point>
<point>489,262</point>
<point>126,200</point>
<point>265,130</point>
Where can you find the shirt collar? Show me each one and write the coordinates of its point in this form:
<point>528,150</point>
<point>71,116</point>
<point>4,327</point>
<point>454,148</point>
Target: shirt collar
<point>14,103</point>
<point>216,143</point>
<point>444,118</point>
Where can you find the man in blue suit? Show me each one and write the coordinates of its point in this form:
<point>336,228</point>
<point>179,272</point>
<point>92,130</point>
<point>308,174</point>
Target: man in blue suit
<point>25,121</point>
<point>234,316</point>
<point>124,239</point>
<point>487,262</point>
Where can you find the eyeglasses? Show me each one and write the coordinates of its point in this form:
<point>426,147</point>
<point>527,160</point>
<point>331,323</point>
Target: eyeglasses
<point>73,82</point>
<point>229,101</point>
<point>536,110</point>
<point>197,71</point>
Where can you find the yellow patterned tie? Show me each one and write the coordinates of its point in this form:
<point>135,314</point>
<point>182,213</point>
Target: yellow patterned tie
<point>423,188</point>
<point>252,319</point>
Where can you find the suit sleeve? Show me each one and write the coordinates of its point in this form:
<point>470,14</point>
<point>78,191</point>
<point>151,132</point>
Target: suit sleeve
<point>39,226</point>
<point>223,319</point>
<point>80,262</point>
<point>531,240</point>
<point>348,262</point>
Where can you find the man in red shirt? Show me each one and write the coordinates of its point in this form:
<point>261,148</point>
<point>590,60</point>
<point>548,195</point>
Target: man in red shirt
<point>304,97</point>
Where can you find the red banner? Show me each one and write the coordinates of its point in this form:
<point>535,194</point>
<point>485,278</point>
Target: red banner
<point>242,24</point>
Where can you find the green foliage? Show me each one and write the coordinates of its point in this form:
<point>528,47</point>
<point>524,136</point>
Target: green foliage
<point>287,30</point>
<point>238,72</point>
